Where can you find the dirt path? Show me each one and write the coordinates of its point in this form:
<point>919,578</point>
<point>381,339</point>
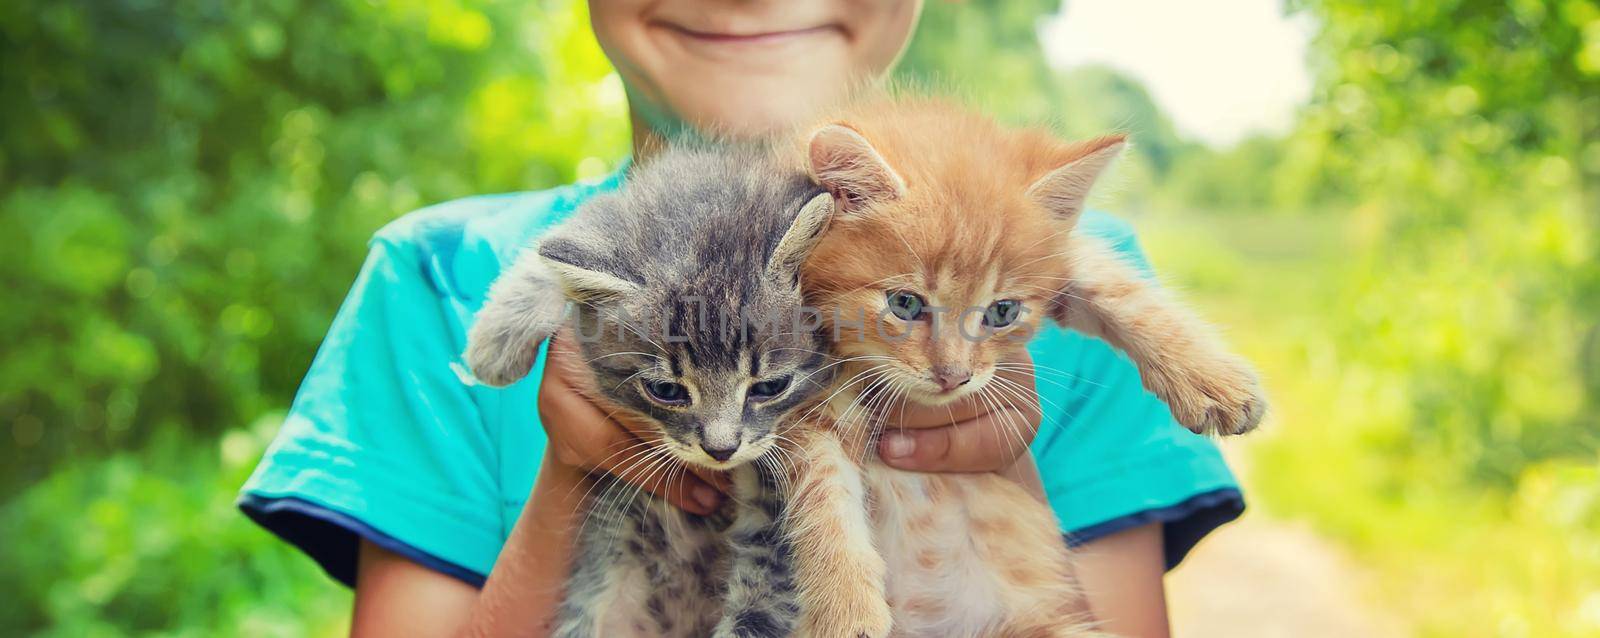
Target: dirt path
<point>1260,577</point>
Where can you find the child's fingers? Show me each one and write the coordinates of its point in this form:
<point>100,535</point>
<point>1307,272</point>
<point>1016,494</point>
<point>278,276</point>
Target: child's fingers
<point>987,443</point>
<point>717,480</point>
<point>917,416</point>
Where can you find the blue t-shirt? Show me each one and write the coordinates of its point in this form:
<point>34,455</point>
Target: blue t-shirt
<point>386,442</point>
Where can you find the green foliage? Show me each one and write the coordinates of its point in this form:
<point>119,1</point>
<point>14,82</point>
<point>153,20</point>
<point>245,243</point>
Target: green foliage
<point>986,51</point>
<point>187,188</point>
<point>1431,344</point>
<point>1092,101</point>
<point>1240,179</point>
<point>1465,137</point>
<point>149,543</point>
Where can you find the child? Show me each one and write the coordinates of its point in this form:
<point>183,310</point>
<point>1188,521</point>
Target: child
<point>419,489</point>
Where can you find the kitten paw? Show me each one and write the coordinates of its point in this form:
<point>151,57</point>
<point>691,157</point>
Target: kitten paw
<point>1221,398</point>
<point>873,622</point>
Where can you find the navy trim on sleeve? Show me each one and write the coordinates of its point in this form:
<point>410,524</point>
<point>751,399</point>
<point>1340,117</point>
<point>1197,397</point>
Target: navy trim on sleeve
<point>1183,525</point>
<point>332,538</point>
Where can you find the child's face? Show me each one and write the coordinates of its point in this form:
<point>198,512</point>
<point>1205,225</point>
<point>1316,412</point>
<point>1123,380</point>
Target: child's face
<point>747,67</point>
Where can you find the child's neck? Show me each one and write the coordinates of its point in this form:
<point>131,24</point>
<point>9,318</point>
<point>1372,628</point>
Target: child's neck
<point>646,141</point>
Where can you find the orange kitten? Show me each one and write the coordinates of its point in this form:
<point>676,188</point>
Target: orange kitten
<point>951,241</point>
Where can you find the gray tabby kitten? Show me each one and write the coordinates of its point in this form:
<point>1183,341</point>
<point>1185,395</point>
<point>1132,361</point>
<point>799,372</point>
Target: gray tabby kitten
<point>684,291</point>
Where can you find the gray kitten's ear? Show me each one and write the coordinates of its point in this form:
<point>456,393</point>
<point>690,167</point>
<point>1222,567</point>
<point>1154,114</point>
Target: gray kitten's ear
<point>582,272</point>
<point>846,164</point>
<point>525,306</point>
<point>1064,190</point>
<point>802,236</point>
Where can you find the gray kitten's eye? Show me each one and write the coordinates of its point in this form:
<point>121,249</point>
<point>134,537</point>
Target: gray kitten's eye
<point>905,305</point>
<point>769,388</point>
<point>1002,313</point>
<point>667,392</point>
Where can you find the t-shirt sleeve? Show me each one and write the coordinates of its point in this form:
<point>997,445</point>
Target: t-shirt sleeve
<point>1109,452</point>
<point>384,441</point>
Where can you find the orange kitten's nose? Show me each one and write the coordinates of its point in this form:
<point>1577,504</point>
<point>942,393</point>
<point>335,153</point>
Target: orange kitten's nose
<point>950,378</point>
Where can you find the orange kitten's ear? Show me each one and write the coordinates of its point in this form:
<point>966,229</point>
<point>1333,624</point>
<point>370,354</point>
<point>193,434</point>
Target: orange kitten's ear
<point>1063,190</point>
<point>846,164</point>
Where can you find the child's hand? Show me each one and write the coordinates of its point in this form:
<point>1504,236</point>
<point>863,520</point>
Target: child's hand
<point>584,438</point>
<point>984,432</point>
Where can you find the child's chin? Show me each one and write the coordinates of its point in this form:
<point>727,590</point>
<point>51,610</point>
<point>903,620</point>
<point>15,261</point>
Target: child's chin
<point>757,112</point>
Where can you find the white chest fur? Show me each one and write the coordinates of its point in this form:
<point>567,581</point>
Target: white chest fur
<point>939,581</point>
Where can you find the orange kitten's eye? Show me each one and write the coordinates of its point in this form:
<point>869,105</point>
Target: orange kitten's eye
<point>905,305</point>
<point>1002,313</point>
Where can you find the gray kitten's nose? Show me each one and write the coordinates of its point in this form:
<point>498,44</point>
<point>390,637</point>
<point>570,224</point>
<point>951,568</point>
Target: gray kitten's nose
<point>720,453</point>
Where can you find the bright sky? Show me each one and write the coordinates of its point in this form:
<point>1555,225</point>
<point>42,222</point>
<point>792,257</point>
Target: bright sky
<point>1220,68</point>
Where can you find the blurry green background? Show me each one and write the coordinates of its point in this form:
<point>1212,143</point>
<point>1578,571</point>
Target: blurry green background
<point>186,189</point>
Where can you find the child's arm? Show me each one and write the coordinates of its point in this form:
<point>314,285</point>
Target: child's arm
<point>1121,575</point>
<point>525,589</point>
<point>397,597</point>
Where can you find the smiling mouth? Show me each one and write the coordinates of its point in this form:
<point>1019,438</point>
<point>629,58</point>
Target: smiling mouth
<point>761,38</point>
